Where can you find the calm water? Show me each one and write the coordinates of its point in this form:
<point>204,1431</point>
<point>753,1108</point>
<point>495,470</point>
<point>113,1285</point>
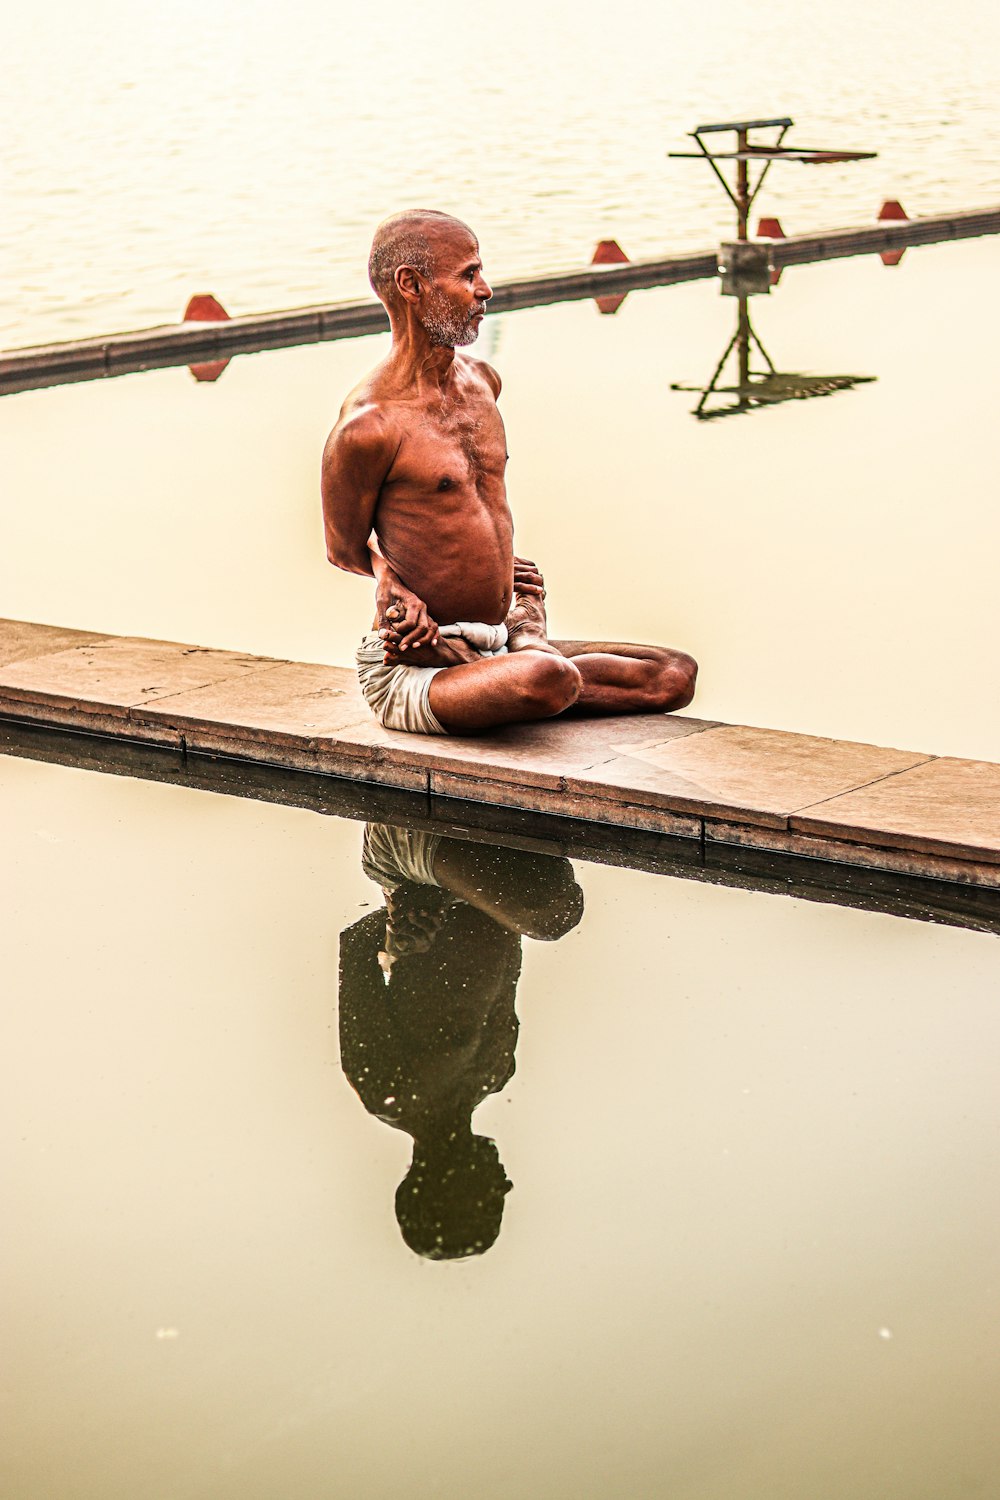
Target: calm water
<point>830,562</point>
<point>749,1248</point>
<point>198,145</point>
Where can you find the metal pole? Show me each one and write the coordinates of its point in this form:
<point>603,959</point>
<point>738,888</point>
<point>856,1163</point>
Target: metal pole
<point>743,353</point>
<point>742,187</point>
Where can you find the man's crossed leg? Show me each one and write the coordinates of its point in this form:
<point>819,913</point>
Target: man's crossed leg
<point>538,678</point>
<point>598,677</point>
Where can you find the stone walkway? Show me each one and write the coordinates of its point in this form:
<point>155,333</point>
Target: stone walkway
<point>881,809</point>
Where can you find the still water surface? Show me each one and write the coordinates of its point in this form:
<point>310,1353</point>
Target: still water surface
<point>249,150</point>
<point>749,1249</point>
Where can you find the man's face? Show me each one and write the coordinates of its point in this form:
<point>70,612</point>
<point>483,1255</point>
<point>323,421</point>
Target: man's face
<point>456,296</point>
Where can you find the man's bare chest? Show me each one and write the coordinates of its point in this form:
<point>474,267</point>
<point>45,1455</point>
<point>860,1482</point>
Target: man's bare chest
<point>451,449</point>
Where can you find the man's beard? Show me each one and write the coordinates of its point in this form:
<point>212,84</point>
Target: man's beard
<point>448,326</point>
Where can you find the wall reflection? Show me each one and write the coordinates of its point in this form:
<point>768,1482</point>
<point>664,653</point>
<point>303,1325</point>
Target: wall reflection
<point>427,1020</point>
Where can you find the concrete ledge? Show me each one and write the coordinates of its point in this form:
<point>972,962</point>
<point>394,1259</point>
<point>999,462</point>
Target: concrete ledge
<point>189,343</point>
<point>810,878</point>
<point>668,776</point>
<point>966,871</point>
<point>890,235</point>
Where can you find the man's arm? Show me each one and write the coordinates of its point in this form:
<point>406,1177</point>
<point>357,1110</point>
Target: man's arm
<point>356,460</point>
<point>358,456</point>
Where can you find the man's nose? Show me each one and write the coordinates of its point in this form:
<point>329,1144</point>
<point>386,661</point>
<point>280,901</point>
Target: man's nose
<point>483,289</point>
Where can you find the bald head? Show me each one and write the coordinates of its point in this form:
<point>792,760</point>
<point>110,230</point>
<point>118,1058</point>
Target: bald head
<point>407,239</point>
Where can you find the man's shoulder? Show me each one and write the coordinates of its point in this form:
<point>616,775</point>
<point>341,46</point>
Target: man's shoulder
<point>366,424</point>
<point>362,446</point>
<point>478,369</point>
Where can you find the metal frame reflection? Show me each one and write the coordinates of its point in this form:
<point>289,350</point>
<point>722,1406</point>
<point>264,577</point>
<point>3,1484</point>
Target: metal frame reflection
<point>756,388</point>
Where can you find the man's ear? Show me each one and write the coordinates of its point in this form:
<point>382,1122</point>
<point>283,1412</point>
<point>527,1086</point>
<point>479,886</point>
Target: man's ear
<point>407,283</point>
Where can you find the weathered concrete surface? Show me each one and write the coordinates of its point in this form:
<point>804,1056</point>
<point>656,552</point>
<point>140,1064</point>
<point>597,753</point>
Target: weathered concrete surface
<point>692,779</point>
<point>847,883</point>
<point>96,683</point>
<point>19,641</point>
<point>945,807</point>
<point>758,776</point>
<point>194,342</point>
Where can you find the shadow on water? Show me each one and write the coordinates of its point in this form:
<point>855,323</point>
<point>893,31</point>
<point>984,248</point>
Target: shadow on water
<point>427,1020</point>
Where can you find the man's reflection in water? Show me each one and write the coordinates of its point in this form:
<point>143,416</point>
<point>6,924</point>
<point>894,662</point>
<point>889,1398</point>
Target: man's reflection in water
<point>427,1022</point>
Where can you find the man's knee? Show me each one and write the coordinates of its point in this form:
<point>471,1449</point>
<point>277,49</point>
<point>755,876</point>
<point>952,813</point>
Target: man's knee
<point>551,685</point>
<point>673,675</point>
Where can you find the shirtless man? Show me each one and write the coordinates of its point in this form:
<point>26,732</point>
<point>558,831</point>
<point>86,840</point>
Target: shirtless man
<point>414,496</point>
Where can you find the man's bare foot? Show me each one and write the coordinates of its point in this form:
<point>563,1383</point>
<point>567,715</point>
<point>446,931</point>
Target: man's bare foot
<point>527,627</point>
<point>448,651</point>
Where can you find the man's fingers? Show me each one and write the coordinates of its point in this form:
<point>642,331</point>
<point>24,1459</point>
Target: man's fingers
<point>426,634</point>
<point>407,626</point>
<point>402,635</point>
<point>525,576</point>
<point>416,630</point>
<point>412,617</point>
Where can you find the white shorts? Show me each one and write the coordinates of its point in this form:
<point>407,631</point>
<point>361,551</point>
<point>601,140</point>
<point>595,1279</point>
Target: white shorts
<point>399,696</point>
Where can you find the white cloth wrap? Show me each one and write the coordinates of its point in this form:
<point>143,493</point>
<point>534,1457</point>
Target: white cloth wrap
<point>488,640</point>
<point>393,855</point>
<point>399,696</point>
